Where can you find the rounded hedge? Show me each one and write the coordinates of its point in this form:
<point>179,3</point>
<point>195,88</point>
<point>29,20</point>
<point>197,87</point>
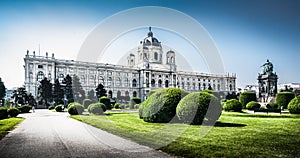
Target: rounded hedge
<point>283,98</point>
<point>13,112</point>
<point>86,103</point>
<point>247,97</point>
<point>160,107</point>
<point>117,106</point>
<point>294,105</point>
<point>59,108</point>
<point>134,101</point>
<point>25,108</point>
<point>73,103</point>
<point>106,102</point>
<point>141,108</point>
<point>233,105</point>
<point>51,107</point>
<point>75,109</point>
<point>97,108</point>
<point>253,105</point>
<point>3,113</point>
<point>272,105</point>
<point>193,108</point>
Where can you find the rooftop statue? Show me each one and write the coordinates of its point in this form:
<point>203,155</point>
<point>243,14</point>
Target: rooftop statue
<point>267,67</point>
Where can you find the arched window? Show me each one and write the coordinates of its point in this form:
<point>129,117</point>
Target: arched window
<point>159,83</point>
<point>230,87</point>
<point>155,56</point>
<point>172,59</point>
<point>134,94</point>
<point>49,76</point>
<point>182,85</point>
<point>152,83</point>
<point>219,87</point>
<point>147,83</point>
<point>30,76</point>
<point>194,86</point>
<point>126,82</point>
<point>40,76</point>
<point>118,82</point>
<point>188,86</point>
<point>101,80</point>
<point>134,83</point>
<point>204,86</point>
<point>199,86</point>
<point>109,81</point>
<point>60,78</point>
<point>214,86</point>
<point>166,83</point>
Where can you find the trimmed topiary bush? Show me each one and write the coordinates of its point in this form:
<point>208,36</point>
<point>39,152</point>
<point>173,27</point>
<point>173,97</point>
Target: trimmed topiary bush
<point>97,108</point>
<point>133,101</point>
<point>59,108</point>
<point>117,106</point>
<point>233,105</point>
<point>160,107</point>
<point>51,107</point>
<point>253,105</point>
<point>75,109</point>
<point>13,112</point>
<point>24,108</point>
<point>3,113</point>
<point>73,103</point>
<point>106,102</point>
<point>283,98</point>
<point>141,108</point>
<point>247,97</point>
<point>294,105</point>
<point>272,105</point>
<point>86,103</point>
<point>193,108</point>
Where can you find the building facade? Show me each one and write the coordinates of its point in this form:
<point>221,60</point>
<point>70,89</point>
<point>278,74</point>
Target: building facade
<point>146,71</point>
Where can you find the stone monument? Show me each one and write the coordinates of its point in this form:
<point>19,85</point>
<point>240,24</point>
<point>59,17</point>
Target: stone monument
<point>267,82</point>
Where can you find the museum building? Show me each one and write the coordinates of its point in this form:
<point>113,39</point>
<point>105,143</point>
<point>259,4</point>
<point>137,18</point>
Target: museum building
<point>145,71</point>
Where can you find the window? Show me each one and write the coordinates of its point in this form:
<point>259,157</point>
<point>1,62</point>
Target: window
<point>155,56</point>
<point>134,94</point>
<point>166,83</point>
<point>126,83</point>
<point>40,76</point>
<point>109,81</point>
<point>159,83</point>
<point>101,80</point>
<point>60,78</point>
<point>118,82</point>
<point>134,83</point>
<point>172,60</point>
<point>152,83</point>
<point>40,66</point>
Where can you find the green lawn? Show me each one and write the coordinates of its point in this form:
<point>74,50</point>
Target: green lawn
<point>235,135</point>
<point>8,125</point>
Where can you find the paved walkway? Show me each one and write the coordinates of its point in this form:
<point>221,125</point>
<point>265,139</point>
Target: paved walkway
<point>50,134</point>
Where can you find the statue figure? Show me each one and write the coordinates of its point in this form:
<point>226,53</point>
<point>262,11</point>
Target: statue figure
<point>267,67</point>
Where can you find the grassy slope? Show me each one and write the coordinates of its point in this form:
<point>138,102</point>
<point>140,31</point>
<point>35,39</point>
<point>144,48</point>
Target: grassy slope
<point>8,124</point>
<point>236,135</point>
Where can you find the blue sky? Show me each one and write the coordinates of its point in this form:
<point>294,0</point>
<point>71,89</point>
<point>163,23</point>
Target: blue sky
<point>245,32</point>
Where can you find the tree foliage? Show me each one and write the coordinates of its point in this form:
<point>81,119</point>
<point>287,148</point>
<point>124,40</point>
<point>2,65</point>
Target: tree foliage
<point>20,96</point>
<point>45,91</point>
<point>68,88</point>
<point>78,92</point>
<point>100,91</point>
<point>58,93</point>
<point>2,91</point>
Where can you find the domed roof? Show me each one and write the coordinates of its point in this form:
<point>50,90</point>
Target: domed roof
<point>150,40</point>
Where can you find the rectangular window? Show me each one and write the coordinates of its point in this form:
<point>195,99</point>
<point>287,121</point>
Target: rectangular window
<point>40,66</point>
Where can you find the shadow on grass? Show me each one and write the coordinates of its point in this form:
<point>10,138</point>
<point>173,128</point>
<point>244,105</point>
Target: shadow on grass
<point>225,124</point>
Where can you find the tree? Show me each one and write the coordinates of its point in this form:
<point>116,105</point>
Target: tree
<point>31,100</point>
<point>45,91</point>
<point>20,96</point>
<point>68,89</point>
<point>58,93</point>
<point>2,91</point>
<point>91,94</point>
<point>100,91</point>
<point>79,93</point>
